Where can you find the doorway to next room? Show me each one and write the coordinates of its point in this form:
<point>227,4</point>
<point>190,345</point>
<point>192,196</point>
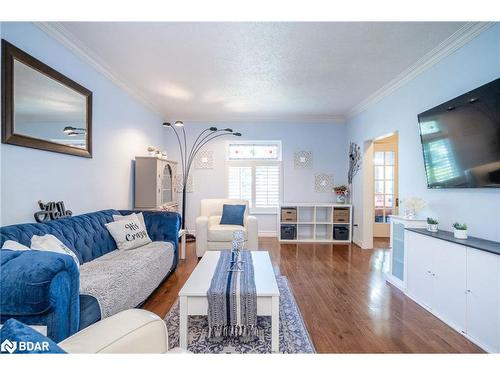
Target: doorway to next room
<point>385,184</point>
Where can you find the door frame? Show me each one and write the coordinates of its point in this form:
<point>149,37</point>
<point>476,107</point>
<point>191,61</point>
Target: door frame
<point>368,189</point>
<point>383,229</point>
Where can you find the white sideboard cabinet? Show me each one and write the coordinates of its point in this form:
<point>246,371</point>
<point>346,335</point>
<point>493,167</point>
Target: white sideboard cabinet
<point>460,284</point>
<point>483,299</point>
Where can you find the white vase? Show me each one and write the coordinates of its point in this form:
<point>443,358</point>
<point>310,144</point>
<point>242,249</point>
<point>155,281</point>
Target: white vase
<point>461,234</point>
<point>410,213</point>
<point>432,227</point>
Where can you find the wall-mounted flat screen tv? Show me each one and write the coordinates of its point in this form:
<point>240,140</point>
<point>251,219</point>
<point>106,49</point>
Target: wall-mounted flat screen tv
<point>461,140</point>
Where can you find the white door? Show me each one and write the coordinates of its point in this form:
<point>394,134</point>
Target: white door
<point>385,183</point>
<point>483,284</point>
<point>419,273</point>
<point>449,274</point>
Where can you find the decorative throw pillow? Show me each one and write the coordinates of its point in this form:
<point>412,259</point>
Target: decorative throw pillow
<point>128,234</point>
<point>233,214</point>
<point>49,242</point>
<point>18,338</point>
<point>140,216</point>
<point>14,245</point>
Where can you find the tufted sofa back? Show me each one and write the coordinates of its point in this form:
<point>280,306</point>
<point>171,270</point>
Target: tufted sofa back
<point>85,234</point>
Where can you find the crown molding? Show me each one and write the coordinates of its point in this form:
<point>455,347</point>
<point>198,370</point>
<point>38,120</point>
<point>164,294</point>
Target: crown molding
<point>458,39</point>
<point>70,41</point>
<point>264,120</point>
<point>66,38</point>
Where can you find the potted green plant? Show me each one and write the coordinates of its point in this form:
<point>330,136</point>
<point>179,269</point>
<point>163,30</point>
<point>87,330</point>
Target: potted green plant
<point>460,231</point>
<point>432,224</point>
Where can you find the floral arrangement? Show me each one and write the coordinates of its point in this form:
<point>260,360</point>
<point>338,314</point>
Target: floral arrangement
<point>432,221</point>
<point>341,190</point>
<point>412,206</point>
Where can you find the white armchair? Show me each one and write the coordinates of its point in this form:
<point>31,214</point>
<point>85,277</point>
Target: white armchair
<point>130,331</point>
<point>211,235</point>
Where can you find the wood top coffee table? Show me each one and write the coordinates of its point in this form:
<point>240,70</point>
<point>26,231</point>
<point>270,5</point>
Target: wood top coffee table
<point>193,295</point>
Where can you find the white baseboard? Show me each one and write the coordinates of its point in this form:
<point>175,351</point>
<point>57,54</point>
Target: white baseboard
<point>395,281</point>
<point>268,233</point>
<point>358,242</point>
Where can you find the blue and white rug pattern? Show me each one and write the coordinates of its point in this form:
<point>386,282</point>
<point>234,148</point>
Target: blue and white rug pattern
<point>293,335</point>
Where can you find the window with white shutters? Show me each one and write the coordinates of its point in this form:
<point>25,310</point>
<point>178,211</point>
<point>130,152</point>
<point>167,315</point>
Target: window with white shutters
<point>240,183</point>
<point>267,185</point>
<point>254,173</point>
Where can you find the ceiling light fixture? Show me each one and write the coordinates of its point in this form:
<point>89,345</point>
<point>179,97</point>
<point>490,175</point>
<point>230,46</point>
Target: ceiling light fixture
<point>71,131</point>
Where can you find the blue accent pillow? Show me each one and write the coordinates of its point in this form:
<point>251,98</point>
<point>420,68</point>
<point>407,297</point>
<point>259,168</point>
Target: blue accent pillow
<point>18,338</point>
<point>233,214</point>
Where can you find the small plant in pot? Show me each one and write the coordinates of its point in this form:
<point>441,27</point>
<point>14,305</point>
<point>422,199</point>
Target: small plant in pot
<point>432,224</point>
<point>460,231</point>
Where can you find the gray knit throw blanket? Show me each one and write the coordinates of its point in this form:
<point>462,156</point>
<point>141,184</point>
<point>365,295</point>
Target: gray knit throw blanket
<point>232,298</point>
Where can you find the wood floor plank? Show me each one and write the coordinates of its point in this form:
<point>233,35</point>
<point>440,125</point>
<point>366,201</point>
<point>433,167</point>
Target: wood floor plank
<point>346,303</point>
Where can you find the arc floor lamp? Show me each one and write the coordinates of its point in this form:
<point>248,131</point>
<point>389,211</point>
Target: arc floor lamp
<point>188,155</point>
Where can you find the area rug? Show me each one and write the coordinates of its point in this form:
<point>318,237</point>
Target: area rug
<point>293,335</point>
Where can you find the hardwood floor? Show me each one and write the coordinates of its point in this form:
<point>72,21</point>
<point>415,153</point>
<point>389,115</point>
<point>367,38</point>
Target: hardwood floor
<point>346,304</point>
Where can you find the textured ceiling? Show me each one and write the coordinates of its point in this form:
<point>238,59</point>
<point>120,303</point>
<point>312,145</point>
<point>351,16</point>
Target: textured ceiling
<point>257,71</point>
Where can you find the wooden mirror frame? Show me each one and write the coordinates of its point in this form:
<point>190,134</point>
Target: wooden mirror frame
<point>11,53</point>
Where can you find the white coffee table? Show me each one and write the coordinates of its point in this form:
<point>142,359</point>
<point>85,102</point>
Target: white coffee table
<point>193,295</point>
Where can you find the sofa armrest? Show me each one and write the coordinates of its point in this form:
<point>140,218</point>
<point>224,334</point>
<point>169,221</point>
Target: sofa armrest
<point>201,235</point>
<point>130,331</point>
<point>252,227</point>
<point>40,288</point>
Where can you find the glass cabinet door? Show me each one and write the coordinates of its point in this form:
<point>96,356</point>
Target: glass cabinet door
<point>166,185</point>
<point>398,250</point>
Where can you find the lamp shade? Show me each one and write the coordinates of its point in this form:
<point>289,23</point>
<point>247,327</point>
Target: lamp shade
<point>179,124</point>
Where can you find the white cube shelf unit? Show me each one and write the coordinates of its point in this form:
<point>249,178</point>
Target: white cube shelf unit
<point>315,222</point>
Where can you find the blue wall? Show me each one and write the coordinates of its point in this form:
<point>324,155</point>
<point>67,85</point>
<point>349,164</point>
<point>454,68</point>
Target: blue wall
<point>122,128</point>
<point>326,141</point>
<point>473,65</point>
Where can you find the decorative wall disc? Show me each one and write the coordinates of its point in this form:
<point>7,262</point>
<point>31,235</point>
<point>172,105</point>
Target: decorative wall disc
<point>178,184</point>
<point>204,159</point>
<point>323,183</point>
<point>303,160</point>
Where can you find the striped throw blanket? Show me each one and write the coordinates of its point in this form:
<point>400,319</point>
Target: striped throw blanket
<point>232,298</point>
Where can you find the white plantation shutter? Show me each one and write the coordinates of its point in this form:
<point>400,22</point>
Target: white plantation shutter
<point>267,185</point>
<point>254,173</point>
<point>240,183</point>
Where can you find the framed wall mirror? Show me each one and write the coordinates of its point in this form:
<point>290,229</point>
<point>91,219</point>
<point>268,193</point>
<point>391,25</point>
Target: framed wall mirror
<point>42,108</point>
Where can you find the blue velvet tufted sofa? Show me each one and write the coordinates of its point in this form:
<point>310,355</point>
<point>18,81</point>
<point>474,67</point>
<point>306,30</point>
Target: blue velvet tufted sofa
<point>43,288</point>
